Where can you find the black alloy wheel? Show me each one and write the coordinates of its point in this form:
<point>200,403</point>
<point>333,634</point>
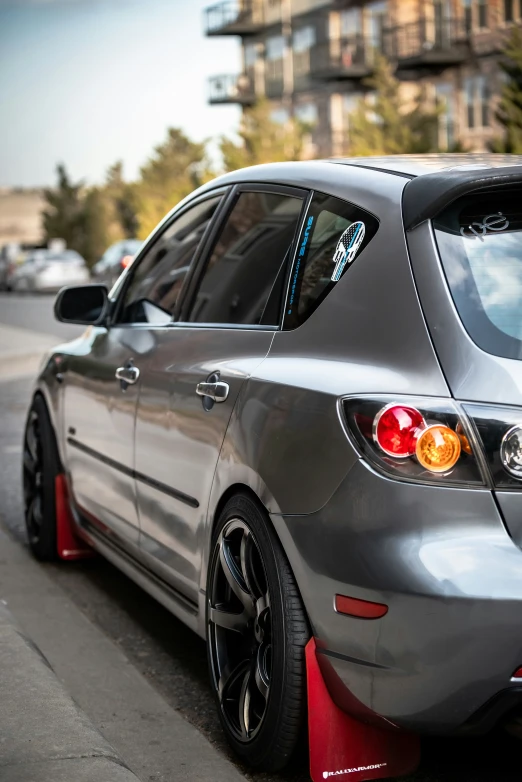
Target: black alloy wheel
<point>40,467</point>
<point>256,631</point>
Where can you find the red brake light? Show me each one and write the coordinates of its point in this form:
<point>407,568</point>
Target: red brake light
<point>126,260</point>
<point>395,429</point>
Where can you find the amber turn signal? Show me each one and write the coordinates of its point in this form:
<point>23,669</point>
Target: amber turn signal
<point>438,448</point>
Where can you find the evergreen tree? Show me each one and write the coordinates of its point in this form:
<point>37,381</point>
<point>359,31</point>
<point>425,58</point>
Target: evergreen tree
<point>387,127</point>
<point>509,112</point>
<point>262,140</point>
<point>177,167</point>
<point>124,200</point>
<point>63,216</point>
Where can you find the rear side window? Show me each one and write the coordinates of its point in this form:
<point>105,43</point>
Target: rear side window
<point>243,279</point>
<point>479,238</point>
<point>334,233</point>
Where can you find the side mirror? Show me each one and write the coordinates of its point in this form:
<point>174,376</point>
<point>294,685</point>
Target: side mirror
<point>86,305</point>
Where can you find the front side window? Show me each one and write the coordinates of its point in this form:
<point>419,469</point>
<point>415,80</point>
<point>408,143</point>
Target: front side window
<point>244,277</point>
<point>334,233</point>
<point>479,238</point>
<point>156,282</point>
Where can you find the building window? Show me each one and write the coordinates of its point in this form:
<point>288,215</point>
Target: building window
<point>446,104</point>
<point>350,104</point>
<point>307,113</point>
<point>280,116</point>
<point>509,11</point>
<point>483,13</point>
<point>483,97</point>
<point>375,23</point>
<point>250,54</point>
<point>351,22</point>
<point>303,40</point>
<point>468,15</point>
<point>274,58</point>
<point>477,102</point>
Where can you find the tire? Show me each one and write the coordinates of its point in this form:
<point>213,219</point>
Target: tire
<point>256,634</point>
<point>41,465</point>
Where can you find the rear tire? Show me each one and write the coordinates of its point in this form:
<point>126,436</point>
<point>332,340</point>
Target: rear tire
<point>256,634</point>
<point>41,465</point>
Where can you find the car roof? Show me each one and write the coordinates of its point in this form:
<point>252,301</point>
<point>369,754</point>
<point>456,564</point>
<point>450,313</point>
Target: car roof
<point>423,184</point>
<point>417,165</point>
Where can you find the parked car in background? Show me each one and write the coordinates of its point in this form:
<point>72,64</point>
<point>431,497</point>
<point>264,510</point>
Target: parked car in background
<point>48,270</point>
<point>114,260</point>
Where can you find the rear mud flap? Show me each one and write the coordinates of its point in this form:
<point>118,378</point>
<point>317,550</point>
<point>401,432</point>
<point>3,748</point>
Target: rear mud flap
<point>342,747</point>
<point>69,545</point>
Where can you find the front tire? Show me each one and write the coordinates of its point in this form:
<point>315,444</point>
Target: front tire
<point>41,465</point>
<point>256,633</point>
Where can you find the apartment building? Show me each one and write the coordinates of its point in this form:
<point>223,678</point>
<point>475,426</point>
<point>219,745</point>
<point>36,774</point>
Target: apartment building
<point>310,58</point>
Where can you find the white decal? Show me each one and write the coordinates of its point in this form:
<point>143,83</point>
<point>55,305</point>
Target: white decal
<point>327,774</point>
<point>347,247</point>
<point>492,222</point>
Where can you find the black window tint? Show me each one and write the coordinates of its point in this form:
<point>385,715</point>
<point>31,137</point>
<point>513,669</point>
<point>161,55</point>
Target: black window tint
<point>156,282</point>
<point>245,265</point>
<point>334,233</point>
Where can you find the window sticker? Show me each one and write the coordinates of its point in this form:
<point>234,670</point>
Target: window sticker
<point>347,248</point>
<point>492,222</point>
<point>302,251</point>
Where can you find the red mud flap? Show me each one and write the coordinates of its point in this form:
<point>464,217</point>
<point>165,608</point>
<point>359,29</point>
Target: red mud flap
<point>343,748</point>
<point>69,545</point>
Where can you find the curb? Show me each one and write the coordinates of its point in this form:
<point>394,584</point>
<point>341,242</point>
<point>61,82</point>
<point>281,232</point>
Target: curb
<point>44,737</point>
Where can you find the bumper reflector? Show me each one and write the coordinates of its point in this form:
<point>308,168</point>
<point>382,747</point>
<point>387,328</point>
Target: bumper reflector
<point>363,609</point>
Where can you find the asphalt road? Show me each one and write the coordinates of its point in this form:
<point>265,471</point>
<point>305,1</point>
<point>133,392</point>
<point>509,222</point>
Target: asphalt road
<point>169,655</point>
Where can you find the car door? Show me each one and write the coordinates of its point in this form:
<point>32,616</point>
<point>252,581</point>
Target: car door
<point>103,380</point>
<point>191,380</point>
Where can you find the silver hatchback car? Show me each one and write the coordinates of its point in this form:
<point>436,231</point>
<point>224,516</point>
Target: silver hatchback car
<point>299,414</point>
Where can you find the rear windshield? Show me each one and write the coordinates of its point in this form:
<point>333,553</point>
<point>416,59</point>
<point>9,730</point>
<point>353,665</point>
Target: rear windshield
<point>480,243</point>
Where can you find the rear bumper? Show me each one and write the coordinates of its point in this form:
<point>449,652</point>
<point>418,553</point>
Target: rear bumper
<point>442,561</point>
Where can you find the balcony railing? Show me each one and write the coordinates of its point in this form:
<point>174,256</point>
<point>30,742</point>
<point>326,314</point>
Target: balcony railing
<point>428,42</point>
<point>234,18</point>
<point>350,57</point>
<point>232,88</point>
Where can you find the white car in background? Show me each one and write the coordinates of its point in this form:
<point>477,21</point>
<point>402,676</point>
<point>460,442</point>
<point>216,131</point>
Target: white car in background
<point>49,270</point>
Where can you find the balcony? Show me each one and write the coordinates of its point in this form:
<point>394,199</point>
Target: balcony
<point>435,43</point>
<point>231,88</point>
<point>234,18</point>
<point>344,58</point>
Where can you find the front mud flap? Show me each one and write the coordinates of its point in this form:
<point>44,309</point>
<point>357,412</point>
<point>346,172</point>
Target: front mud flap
<point>342,747</point>
<point>69,545</point>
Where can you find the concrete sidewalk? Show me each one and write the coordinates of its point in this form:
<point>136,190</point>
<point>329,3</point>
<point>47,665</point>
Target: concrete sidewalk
<point>21,351</point>
<point>153,739</point>
<point>44,737</point>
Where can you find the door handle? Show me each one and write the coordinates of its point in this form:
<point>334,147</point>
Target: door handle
<point>128,374</point>
<point>218,391</point>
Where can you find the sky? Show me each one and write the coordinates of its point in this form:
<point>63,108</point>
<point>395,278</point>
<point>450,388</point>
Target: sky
<point>90,82</point>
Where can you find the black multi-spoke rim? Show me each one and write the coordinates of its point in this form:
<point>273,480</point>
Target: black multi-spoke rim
<point>240,630</point>
<point>33,478</point>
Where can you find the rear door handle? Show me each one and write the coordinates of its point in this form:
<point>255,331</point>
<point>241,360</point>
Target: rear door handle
<point>127,374</point>
<point>218,391</point>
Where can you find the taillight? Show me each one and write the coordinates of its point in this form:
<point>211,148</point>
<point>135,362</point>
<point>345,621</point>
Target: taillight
<point>416,439</point>
<point>126,261</point>
<point>499,431</point>
<point>395,429</point>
